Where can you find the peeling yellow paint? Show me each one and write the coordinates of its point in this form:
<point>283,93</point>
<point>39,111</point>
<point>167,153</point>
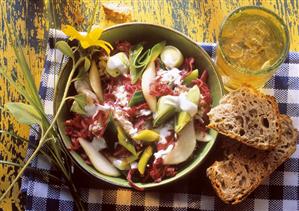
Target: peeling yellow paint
<point>198,19</point>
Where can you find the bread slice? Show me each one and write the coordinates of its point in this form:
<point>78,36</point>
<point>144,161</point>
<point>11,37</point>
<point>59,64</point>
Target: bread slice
<point>117,12</point>
<point>244,168</point>
<point>248,116</point>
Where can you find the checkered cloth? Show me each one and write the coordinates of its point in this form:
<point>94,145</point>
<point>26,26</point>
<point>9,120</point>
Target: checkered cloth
<point>279,192</point>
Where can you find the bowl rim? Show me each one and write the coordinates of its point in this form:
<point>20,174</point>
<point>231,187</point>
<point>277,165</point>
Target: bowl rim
<point>189,168</point>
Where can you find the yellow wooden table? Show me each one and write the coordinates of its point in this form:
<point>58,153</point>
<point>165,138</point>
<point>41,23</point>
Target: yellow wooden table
<point>198,19</point>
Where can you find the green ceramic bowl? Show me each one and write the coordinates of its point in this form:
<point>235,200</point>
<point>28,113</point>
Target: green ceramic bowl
<point>135,32</point>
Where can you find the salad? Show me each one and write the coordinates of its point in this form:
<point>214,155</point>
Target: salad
<point>139,112</point>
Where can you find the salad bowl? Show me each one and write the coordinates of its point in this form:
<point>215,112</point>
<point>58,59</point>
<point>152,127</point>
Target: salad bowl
<point>152,34</point>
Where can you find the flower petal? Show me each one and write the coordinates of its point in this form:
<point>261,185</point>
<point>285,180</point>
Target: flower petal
<point>108,44</point>
<point>72,33</point>
<point>95,33</point>
<point>85,43</point>
<point>101,44</point>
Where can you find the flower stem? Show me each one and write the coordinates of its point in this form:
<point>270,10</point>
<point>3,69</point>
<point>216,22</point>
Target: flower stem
<point>43,139</point>
<point>36,151</point>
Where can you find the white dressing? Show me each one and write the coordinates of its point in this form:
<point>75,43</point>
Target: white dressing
<point>181,103</point>
<point>163,152</point>
<point>170,76</point>
<point>92,109</point>
<point>98,143</point>
<point>145,112</point>
<point>117,64</point>
<point>121,95</point>
<point>134,165</point>
<point>164,132</point>
<point>125,123</point>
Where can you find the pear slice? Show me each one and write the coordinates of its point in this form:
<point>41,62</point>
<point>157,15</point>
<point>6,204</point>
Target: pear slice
<point>98,160</point>
<point>148,77</point>
<point>183,147</point>
<point>95,81</point>
<point>164,112</point>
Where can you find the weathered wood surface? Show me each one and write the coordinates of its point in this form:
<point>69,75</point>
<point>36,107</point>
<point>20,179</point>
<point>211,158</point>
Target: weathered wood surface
<point>198,19</point>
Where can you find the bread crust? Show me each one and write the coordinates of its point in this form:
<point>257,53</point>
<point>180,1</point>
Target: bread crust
<point>235,100</point>
<point>254,165</point>
<point>117,12</point>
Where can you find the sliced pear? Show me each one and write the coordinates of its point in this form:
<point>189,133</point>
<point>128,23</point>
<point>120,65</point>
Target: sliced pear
<point>184,117</point>
<point>148,77</point>
<point>164,112</point>
<point>184,146</point>
<point>98,160</point>
<point>95,81</point>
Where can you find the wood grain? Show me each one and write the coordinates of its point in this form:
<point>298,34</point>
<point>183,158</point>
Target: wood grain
<point>198,19</point>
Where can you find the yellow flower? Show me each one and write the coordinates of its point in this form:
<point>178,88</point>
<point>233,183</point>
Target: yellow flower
<point>90,39</point>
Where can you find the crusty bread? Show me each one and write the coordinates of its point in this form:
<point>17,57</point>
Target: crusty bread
<point>244,168</point>
<point>116,11</point>
<point>248,116</point>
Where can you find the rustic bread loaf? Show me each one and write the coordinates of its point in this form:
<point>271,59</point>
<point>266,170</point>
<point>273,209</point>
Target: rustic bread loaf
<point>244,168</point>
<point>117,12</point>
<point>248,116</point>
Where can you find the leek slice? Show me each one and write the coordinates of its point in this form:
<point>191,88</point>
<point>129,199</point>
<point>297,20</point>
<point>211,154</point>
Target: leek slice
<point>139,62</point>
<point>146,136</point>
<point>190,77</point>
<point>146,155</point>
<point>184,117</point>
<point>171,56</point>
<point>124,141</point>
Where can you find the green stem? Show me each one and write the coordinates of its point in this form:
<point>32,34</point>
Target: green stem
<point>37,171</point>
<point>43,139</point>
<point>93,15</point>
<point>36,151</point>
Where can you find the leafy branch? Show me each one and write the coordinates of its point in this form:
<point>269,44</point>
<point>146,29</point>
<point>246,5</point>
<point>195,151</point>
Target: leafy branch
<point>32,111</point>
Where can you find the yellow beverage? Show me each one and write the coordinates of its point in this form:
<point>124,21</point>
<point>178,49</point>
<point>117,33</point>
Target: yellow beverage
<point>252,44</point>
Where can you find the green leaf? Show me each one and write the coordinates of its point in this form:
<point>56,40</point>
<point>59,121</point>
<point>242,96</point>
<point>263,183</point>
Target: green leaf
<point>24,113</point>
<point>81,73</point>
<point>157,49</point>
<point>79,104</point>
<point>139,62</point>
<point>30,90</point>
<point>133,55</point>
<point>136,98</point>
<point>86,64</point>
<point>64,48</point>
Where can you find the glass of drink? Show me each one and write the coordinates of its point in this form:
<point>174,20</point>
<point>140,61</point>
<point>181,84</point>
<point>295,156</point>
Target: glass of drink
<point>252,44</point>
